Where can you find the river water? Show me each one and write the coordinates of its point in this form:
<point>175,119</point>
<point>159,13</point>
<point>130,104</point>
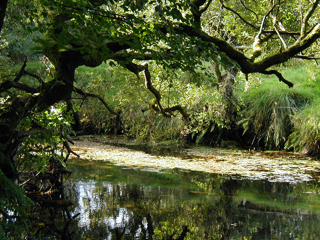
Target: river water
<point>118,202</point>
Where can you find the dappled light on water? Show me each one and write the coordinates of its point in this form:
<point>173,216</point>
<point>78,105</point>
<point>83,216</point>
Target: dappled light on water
<point>129,194</point>
<point>124,203</point>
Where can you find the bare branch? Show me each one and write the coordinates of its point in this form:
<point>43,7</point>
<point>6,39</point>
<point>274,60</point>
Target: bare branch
<point>135,68</point>
<point>244,5</point>
<point>85,94</point>
<point>301,14</point>
<point>5,86</point>
<point>304,23</point>
<point>257,40</point>
<point>279,75</point>
<point>238,14</point>
<point>290,52</point>
<point>306,57</point>
<point>180,109</point>
<point>21,72</point>
<point>34,76</point>
<point>281,39</point>
<point>282,32</point>
<point>67,146</point>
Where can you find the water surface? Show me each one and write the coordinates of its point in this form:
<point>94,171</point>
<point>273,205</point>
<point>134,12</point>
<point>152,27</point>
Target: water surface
<point>115,202</point>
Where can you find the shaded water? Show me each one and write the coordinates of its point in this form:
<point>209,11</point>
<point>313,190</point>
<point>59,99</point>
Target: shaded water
<point>123,203</point>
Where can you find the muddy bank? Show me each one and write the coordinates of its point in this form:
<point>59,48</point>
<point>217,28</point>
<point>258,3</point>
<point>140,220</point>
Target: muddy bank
<point>272,166</point>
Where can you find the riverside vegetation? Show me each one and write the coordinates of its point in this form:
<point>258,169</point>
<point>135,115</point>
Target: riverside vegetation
<point>186,72</point>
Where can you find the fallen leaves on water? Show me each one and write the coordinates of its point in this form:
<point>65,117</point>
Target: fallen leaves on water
<point>273,166</point>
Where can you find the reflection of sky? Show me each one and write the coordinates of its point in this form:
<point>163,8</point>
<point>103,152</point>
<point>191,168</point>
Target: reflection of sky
<point>118,221</point>
<point>104,207</point>
<point>89,201</point>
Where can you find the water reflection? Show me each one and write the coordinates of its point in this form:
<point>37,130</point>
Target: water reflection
<point>124,203</point>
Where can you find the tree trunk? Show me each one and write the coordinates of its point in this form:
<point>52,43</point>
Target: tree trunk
<point>3,8</point>
<point>20,107</point>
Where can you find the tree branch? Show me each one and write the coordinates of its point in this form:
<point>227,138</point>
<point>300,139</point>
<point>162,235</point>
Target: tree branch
<point>206,7</point>
<point>5,86</point>
<point>306,57</point>
<point>180,109</point>
<point>281,39</point>
<point>34,76</point>
<point>3,8</point>
<point>257,40</point>
<point>135,68</point>
<point>238,14</point>
<point>279,75</point>
<point>290,52</point>
<point>21,72</point>
<point>85,94</point>
<point>244,5</point>
<point>282,32</point>
<point>304,23</point>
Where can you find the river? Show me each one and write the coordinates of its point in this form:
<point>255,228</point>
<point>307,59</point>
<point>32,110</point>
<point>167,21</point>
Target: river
<point>117,202</point>
<point>131,195</point>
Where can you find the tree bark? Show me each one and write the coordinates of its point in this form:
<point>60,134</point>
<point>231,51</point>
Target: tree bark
<point>3,8</point>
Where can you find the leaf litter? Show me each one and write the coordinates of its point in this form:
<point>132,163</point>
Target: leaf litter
<point>272,165</point>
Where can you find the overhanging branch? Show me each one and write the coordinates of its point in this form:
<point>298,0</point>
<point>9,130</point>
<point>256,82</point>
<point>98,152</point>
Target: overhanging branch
<point>279,75</point>
<point>136,69</point>
<point>85,94</point>
<point>5,86</point>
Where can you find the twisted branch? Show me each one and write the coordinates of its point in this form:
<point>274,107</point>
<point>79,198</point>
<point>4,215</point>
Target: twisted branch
<point>85,94</point>
<point>136,69</point>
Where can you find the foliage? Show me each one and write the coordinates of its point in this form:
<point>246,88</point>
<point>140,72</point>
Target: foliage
<point>126,94</point>
<point>306,130</point>
<point>169,39</point>
<point>16,41</point>
<point>272,110</point>
<point>13,207</point>
<point>48,130</point>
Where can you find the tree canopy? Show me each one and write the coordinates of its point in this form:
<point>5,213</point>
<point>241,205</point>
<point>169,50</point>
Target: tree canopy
<point>249,35</point>
<point>229,36</point>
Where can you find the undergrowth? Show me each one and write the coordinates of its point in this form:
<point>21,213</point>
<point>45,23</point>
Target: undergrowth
<point>272,115</point>
<point>278,117</point>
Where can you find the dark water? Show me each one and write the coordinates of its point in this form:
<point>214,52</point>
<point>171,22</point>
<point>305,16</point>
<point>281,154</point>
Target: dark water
<point>111,202</point>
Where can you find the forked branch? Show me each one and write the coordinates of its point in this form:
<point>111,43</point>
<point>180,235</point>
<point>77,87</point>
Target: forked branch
<point>305,19</point>
<point>280,77</point>
<point>85,94</point>
<point>136,69</point>
<point>6,85</point>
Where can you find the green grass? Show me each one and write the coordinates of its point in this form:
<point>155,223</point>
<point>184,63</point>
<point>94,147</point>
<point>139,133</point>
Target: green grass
<point>274,111</point>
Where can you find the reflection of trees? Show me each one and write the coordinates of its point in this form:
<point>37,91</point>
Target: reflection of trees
<point>218,209</point>
<point>135,211</point>
<point>55,223</point>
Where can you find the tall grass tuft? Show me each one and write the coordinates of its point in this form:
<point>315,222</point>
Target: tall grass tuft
<point>306,130</point>
<point>267,117</point>
<point>274,112</point>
